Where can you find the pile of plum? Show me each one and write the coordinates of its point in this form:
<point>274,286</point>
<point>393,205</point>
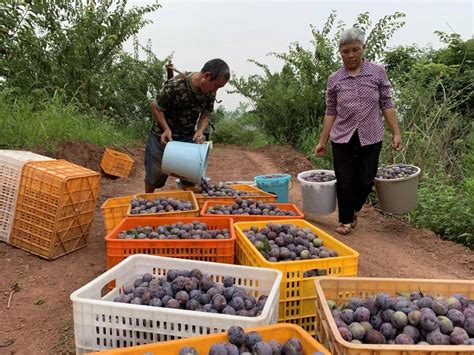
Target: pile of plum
<point>219,190</point>
<point>194,291</point>
<point>179,230</point>
<point>396,171</point>
<point>249,207</point>
<point>251,343</point>
<point>319,177</point>
<point>287,242</point>
<point>159,205</point>
<point>408,319</point>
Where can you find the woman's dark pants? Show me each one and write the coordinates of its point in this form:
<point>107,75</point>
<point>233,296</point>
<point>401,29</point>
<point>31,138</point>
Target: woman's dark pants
<point>355,167</point>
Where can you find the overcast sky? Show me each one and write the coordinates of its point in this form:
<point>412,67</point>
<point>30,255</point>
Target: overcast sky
<point>238,30</point>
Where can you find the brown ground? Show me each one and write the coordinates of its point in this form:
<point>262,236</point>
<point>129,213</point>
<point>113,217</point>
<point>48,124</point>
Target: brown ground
<point>387,247</point>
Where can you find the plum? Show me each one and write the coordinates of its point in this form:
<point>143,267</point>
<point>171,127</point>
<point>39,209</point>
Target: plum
<point>412,331</point>
<point>219,303</point>
<point>469,326</point>
<point>376,321</point>
<point>231,349</point>
<point>429,322</point>
<point>354,303</point>
<point>459,337</point>
<point>414,317</point>
<point>182,297</point>
<point>453,303</point>
<point>387,315</point>
<point>399,320</point>
<point>206,283</point>
<point>187,350</point>
<point>155,302</point>
<point>424,302</point>
<point>292,347</point>
<point>357,331</point>
<point>229,310</point>
<point>361,314</point>
<point>251,339</point>
<point>262,348</point>
<point>445,325</point>
<point>388,331</point>
<point>276,347</point>
<point>404,339</point>
<point>236,335</point>
<point>237,303</point>
<point>435,337</point>
<point>340,323</point>
<point>367,326</point>
<point>370,304</point>
<point>228,281</point>
<point>345,333</point>
<point>457,317</point>
<point>218,349</point>
<point>172,303</point>
<point>382,301</point>
<point>440,306</point>
<point>347,315</point>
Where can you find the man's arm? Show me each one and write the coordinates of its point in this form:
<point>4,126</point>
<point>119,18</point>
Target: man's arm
<point>159,117</point>
<point>202,124</point>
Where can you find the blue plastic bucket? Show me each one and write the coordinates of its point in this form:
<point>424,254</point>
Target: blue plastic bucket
<point>277,184</point>
<point>187,161</point>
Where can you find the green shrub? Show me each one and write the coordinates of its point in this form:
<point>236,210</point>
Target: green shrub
<point>445,209</point>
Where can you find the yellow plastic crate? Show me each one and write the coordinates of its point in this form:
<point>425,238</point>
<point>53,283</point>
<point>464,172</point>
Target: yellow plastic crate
<point>114,210</point>
<point>116,163</point>
<point>174,194</point>
<point>297,293</point>
<point>255,194</point>
<point>342,289</point>
<point>279,332</point>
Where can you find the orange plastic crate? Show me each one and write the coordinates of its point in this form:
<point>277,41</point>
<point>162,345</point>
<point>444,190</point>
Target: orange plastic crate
<point>341,289</point>
<point>116,163</point>
<point>215,250</point>
<point>297,292</point>
<point>279,332</point>
<point>256,194</point>
<point>174,194</point>
<point>247,218</point>
<point>114,210</point>
<point>55,208</point>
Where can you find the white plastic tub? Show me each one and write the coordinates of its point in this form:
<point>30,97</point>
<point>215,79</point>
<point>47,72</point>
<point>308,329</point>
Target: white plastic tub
<point>318,197</point>
<point>100,323</point>
<point>398,196</point>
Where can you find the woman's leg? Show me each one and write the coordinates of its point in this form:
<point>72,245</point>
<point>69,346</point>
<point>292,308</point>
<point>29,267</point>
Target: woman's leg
<point>344,168</point>
<point>367,164</point>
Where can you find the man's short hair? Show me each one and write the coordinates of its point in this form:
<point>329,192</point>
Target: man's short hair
<point>217,67</point>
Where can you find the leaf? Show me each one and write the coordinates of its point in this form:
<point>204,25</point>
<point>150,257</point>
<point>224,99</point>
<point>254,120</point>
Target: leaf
<point>39,301</point>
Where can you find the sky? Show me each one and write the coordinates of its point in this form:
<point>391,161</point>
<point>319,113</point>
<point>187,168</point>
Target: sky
<point>195,31</point>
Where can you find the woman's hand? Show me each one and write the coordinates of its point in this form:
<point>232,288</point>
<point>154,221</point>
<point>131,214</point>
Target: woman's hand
<point>397,142</point>
<point>320,150</point>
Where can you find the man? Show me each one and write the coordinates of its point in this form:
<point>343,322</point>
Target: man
<point>185,100</point>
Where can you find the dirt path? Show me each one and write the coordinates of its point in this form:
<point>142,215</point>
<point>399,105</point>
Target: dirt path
<point>387,247</point>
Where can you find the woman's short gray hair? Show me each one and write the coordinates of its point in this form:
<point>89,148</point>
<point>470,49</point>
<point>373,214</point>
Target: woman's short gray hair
<point>352,35</point>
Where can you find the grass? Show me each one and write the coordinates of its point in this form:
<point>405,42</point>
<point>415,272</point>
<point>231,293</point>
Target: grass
<point>25,125</point>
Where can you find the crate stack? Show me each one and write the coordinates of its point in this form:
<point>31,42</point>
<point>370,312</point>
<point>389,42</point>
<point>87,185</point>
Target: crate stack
<point>11,166</point>
<point>55,208</point>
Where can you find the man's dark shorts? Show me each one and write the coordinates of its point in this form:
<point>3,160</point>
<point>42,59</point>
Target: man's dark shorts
<point>153,158</point>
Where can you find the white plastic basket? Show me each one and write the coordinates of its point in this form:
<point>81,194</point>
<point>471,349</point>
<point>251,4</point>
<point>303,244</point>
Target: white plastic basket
<point>100,323</point>
<point>11,164</point>
<point>318,197</point>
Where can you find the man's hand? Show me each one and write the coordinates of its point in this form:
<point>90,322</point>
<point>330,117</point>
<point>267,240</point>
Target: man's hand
<point>198,137</point>
<point>166,137</point>
<point>320,149</point>
<point>397,142</point>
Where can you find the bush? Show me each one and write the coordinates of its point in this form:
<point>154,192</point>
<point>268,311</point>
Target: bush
<point>444,209</point>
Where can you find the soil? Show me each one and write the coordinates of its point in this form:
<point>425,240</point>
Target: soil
<point>40,320</point>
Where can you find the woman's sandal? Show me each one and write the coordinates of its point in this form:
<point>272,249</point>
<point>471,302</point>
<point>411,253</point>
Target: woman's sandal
<point>344,229</point>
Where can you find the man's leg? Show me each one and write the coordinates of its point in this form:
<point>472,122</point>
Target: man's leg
<point>154,178</point>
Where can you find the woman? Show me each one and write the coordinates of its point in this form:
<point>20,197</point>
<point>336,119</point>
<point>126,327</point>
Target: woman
<point>355,96</point>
